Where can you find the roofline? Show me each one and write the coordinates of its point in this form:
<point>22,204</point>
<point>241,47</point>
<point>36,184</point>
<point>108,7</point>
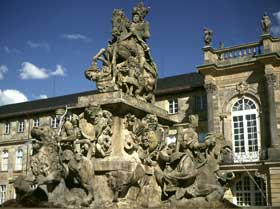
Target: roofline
<point>76,95</point>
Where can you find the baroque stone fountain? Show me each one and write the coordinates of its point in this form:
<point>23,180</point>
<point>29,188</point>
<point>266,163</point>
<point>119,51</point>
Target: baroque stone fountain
<point>112,152</point>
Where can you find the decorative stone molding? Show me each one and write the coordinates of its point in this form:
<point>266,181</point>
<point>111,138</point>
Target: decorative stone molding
<point>232,95</point>
<point>242,87</point>
<point>271,79</point>
<point>210,88</point>
<point>222,117</point>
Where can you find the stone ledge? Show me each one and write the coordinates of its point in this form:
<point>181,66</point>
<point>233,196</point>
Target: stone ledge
<point>121,103</point>
<point>113,165</point>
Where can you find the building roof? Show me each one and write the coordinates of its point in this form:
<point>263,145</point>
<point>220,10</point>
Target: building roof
<point>179,83</point>
<point>41,105</point>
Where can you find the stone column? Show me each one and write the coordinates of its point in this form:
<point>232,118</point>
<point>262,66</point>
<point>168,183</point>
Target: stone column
<point>271,83</point>
<point>117,138</point>
<point>210,89</point>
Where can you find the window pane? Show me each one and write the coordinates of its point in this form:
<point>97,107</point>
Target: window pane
<point>5,160</point>
<point>173,106</point>
<point>248,193</point>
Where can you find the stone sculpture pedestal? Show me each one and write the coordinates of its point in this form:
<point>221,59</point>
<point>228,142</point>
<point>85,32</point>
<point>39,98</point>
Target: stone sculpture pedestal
<point>119,104</point>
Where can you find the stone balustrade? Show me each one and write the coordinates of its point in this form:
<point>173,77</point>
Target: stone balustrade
<point>246,50</point>
<point>243,52</point>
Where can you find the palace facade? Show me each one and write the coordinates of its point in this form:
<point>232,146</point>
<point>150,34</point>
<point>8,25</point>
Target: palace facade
<point>236,91</point>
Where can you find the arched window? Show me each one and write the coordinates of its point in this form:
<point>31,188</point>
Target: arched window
<point>245,131</point>
<point>19,160</point>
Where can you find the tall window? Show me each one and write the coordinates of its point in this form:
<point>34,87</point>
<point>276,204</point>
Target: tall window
<point>250,191</point>
<point>36,122</point>
<point>245,127</point>
<point>20,126</point>
<point>5,160</point>
<point>54,122</point>
<point>200,103</point>
<point>173,106</point>
<point>7,128</point>
<point>2,194</point>
<point>19,160</point>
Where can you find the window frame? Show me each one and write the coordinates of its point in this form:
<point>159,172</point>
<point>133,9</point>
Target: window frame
<point>250,191</point>
<point>5,160</point>
<point>54,122</point>
<point>3,193</point>
<point>200,102</point>
<point>19,164</point>
<point>21,126</point>
<point>173,106</point>
<point>241,119</point>
<point>7,128</point>
<point>36,122</point>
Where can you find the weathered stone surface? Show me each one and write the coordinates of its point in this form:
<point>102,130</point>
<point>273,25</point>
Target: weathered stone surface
<point>127,64</point>
<point>113,151</point>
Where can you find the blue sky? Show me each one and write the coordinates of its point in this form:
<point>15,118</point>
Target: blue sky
<point>45,46</point>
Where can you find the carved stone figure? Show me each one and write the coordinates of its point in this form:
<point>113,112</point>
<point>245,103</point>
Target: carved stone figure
<point>63,160</point>
<point>208,33</point>
<point>242,87</point>
<point>127,62</point>
<point>193,170</point>
<point>266,24</point>
<point>79,170</point>
<point>84,164</point>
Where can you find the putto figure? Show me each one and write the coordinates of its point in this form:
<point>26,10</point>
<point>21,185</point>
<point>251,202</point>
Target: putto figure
<point>127,62</point>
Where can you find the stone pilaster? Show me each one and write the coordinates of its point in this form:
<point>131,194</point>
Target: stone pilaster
<point>274,141</point>
<point>211,90</point>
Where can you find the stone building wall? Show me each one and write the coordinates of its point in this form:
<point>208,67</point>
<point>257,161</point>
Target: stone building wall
<point>275,185</point>
<point>14,141</point>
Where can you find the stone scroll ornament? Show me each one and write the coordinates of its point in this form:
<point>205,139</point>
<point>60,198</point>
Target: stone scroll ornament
<point>126,63</point>
<point>62,164</point>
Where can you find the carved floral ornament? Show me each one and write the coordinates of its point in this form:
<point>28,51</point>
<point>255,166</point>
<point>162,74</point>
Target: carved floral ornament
<point>242,87</point>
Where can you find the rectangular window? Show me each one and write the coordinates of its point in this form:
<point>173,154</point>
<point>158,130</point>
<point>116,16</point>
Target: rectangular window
<point>54,122</point>
<point>250,191</point>
<point>19,160</point>
<point>2,194</point>
<point>36,122</point>
<point>20,128</point>
<point>5,160</point>
<point>200,103</point>
<point>173,106</point>
<point>7,128</point>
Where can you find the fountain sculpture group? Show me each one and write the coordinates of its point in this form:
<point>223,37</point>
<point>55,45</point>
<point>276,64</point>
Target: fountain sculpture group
<point>112,151</point>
